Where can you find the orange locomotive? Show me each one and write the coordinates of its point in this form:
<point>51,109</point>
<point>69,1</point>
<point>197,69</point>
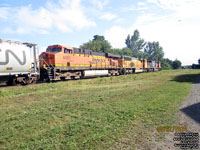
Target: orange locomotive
<point>64,62</point>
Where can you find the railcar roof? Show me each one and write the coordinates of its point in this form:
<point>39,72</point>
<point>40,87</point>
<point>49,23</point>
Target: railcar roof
<point>17,42</point>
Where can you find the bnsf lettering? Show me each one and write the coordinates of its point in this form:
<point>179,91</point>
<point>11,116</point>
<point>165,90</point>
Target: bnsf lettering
<point>95,60</point>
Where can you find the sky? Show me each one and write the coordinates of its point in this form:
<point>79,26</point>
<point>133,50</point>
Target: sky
<point>174,23</point>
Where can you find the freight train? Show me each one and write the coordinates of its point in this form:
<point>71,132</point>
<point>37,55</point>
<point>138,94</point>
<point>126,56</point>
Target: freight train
<point>19,63</point>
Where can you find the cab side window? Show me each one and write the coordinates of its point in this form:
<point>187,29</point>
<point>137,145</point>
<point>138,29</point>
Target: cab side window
<point>65,50</point>
<point>68,51</point>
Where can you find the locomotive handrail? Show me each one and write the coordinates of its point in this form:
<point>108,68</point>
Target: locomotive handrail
<point>47,63</point>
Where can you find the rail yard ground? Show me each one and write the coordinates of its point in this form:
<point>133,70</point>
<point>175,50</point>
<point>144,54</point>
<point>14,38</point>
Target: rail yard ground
<point>103,113</point>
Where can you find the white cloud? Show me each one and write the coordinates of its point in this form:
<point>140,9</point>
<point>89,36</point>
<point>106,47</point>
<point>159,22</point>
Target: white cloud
<point>184,8</point>
<point>108,16</point>
<point>129,8</point>
<point>119,20</point>
<point>141,3</point>
<point>153,1</point>
<point>140,7</point>
<point>42,31</point>
<point>65,16</point>
<point>3,12</point>
<point>179,39</point>
<point>99,3</point>
<point>177,32</point>
<point>116,35</point>
<point>40,18</point>
<point>12,31</point>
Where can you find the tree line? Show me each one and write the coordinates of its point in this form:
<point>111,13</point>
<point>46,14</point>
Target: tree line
<point>135,47</point>
<point>196,66</point>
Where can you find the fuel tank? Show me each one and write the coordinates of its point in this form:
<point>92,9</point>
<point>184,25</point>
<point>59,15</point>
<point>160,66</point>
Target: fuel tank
<point>95,73</point>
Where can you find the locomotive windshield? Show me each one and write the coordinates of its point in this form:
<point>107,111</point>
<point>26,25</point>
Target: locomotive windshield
<point>53,50</point>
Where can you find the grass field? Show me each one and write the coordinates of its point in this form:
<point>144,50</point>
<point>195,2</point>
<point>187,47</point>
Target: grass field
<point>93,113</point>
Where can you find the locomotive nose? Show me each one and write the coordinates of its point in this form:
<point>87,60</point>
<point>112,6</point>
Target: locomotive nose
<point>47,59</point>
<point>45,55</point>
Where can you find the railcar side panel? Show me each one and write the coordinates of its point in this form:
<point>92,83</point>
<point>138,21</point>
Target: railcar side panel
<point>15,58</point>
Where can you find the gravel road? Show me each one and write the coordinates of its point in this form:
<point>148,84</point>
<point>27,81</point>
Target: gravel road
<point>189,115</point>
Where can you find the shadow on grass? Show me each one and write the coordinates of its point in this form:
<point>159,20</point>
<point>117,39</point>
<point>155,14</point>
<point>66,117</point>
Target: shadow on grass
<point>193,78</point>
<point>193,111</point>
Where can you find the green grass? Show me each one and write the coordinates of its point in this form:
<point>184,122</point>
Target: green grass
<point>92,113</point>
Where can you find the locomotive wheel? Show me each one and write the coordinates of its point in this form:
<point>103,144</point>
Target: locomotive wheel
<point>31,81</point>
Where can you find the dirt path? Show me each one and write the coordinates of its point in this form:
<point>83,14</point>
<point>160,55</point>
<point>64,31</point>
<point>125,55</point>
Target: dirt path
<point>189,115</point>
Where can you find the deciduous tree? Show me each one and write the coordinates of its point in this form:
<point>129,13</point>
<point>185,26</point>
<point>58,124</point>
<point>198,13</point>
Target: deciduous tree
<point>176,64</point>
<point>98,44</point>
<point>166,64</point>
<point>134,42</point>
<point>154,51</point>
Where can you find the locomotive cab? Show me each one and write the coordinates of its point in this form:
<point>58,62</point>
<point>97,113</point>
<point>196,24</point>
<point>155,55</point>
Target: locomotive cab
<point>52,61</point>
<point>53,55</point>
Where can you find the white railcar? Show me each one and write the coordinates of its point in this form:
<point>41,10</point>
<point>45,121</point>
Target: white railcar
<point>17,62</point>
